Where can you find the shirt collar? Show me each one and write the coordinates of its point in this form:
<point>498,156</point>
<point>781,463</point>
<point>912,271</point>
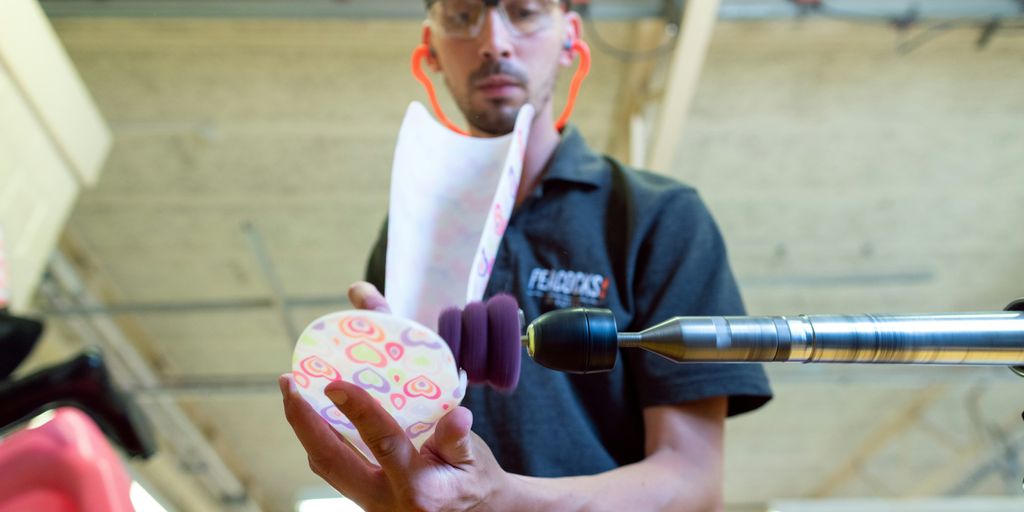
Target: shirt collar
<point>574,161</point>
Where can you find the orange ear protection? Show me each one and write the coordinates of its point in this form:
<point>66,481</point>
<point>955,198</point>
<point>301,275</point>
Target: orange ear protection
<point>577,46</point>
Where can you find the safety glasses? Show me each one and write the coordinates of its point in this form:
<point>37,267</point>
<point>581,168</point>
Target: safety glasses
<point>464,19</point>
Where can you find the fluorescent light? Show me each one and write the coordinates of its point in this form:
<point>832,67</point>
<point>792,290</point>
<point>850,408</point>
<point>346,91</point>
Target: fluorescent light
<point>41,419</point>
<point>340,504</point>
<point>142,500</point>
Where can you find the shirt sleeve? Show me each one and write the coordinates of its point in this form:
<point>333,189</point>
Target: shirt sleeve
<point>377,264</point>
<point>682,269</point>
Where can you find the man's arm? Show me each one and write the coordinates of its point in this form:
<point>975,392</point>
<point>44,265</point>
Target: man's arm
<point>682,470</point>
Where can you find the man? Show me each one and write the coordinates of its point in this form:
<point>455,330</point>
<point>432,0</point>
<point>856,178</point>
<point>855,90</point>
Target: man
<point>586,230</point>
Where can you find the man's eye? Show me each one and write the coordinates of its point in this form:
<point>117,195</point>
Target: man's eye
<point>525,14</point>
<point>459,17</point>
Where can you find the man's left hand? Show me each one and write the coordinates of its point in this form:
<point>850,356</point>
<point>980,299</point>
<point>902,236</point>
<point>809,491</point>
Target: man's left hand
<point>454,470</point>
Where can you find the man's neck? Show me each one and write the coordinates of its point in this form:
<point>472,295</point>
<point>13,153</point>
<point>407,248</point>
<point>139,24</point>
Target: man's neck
<point>540,146</point>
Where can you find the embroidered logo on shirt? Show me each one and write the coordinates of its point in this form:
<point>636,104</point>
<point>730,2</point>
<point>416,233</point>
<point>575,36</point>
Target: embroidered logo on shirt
<point>566,288</point>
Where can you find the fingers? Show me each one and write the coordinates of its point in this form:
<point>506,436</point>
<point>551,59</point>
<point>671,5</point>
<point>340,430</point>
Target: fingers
<point>381,433</point>
<point>364,295</point>
<point>452,441</point>
<point>330,458</point>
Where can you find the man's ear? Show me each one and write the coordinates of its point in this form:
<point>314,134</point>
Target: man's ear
<point>433,63</point>
<point>573,32</point>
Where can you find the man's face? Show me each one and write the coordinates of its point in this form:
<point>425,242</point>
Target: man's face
<point>491,76</point>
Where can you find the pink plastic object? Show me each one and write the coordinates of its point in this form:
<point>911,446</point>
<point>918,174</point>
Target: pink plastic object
<point>63,465</point>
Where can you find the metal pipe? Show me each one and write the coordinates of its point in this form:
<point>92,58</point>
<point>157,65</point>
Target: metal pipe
<point>276,287</point>
<point>335,302</point>
<point>585,340</point>
<point>965,338</point>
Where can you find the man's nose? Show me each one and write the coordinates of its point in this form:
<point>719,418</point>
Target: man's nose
<point>496,38</point>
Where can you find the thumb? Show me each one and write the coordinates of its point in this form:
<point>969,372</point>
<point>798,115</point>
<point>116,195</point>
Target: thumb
<point>452,441</point>
<point>364,295</point>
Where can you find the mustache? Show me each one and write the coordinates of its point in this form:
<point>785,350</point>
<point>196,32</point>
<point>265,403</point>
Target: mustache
<point>499,67</point>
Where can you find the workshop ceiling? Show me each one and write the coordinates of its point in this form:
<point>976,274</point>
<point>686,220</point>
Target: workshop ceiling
<point>846,177</point>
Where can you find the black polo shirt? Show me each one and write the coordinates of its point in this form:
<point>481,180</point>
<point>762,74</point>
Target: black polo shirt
<point>597,233</point>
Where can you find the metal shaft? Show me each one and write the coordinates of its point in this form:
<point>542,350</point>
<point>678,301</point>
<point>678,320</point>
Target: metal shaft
<point>959,338</point>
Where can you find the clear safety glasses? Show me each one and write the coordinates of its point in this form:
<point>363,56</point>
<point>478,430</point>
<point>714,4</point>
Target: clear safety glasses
<point>463,19</point>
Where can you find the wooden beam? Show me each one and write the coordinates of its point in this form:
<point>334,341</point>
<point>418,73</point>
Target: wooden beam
<point>36,62</point>
<point>634,89</point>
<point>37,191</point>
<point>52,142</point>
<point>638,141</point>
<point>684,74</point>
